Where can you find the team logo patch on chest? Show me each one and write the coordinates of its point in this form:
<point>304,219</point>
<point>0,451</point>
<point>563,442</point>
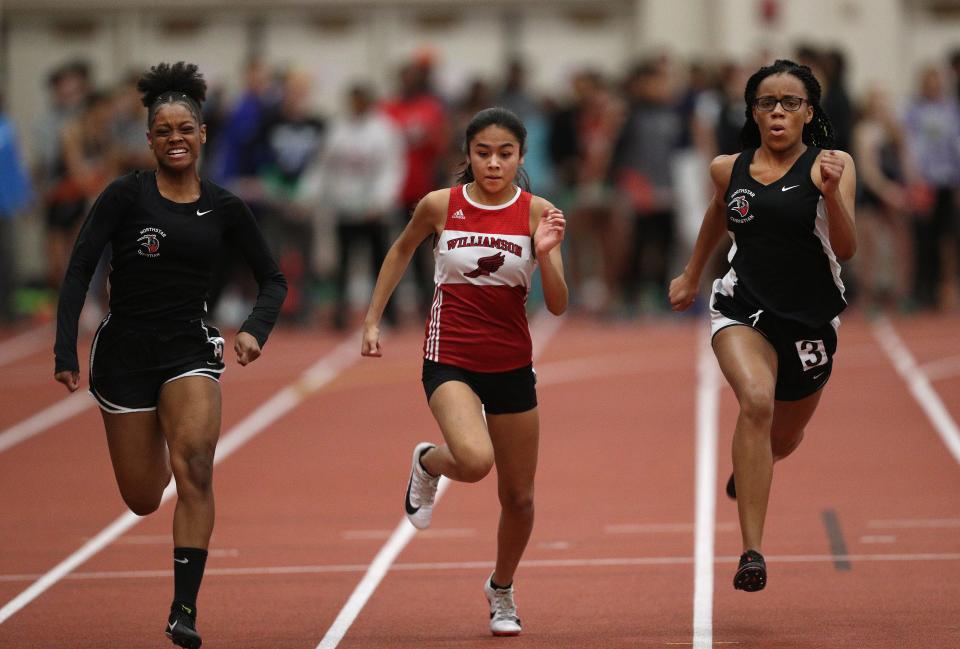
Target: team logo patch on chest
<point>487,265</point>
<point>739,206</point>
<point>150,242</point>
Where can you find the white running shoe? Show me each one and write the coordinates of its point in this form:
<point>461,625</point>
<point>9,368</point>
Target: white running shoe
<point>421,490</point>
<point>503,610</point>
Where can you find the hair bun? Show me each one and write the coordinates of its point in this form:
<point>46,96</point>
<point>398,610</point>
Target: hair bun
<point>179,77</point>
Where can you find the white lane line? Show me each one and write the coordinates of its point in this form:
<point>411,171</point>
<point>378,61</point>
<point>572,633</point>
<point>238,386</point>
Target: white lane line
<point>663,528</point>
<point>942,368</point>
<point>45,419</point>
<point>288,398</point>
<point>26,343</point>
<point>919,384</point>
<point>452,566</point>
<point>382,535</point>
<point>371,579</point>
<point>913,523</point>
<point>708,408</point>
<point>542,328</point>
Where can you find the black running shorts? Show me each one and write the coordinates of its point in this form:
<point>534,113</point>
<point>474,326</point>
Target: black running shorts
<point>501,393</point>
<point>130,362</point>
<point>804,353</point>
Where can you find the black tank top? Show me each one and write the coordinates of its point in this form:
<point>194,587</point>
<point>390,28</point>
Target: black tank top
<point>781,259</point>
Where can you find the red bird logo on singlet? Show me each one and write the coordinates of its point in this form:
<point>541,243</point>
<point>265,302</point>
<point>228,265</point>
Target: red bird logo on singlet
<point>149,243</point>
<point>740,204</point>
<point>487,265</point>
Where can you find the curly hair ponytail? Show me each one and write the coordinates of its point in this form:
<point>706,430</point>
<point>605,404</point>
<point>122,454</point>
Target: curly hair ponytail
<point>167,84</point>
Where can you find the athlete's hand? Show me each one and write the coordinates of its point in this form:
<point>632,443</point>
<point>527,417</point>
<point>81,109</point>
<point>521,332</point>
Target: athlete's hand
<point>247,348</point>
<point>549,231</point>
<point>831,169</point>
<point>683,291</point>
<point>70,378</point>
<point>370,346</point>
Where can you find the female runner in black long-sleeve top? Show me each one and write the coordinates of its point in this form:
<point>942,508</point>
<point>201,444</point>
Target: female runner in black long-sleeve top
<point>155,364</point>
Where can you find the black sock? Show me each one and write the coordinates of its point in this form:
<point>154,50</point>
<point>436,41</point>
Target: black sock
<point>188,565</point>
<point>496,586</point>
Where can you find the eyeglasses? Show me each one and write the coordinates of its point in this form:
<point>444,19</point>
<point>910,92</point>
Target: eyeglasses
<point>768,102</point>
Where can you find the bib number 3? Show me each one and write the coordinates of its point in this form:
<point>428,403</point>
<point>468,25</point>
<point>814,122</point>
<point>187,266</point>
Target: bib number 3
<point>812,353</point>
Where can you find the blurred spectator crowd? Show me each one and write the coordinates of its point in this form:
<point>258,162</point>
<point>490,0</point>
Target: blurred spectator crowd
<point>625,158</point>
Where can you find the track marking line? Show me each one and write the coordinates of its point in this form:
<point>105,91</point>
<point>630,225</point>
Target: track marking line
<point>380,535</point>
<point>313,378</point>
<point>906,365</point>
<point>878,538</point>
<point>26,343</point>
<point>707,417</point>
<point>663,528</point>
<point>142,539</point>
<point>453,566</point>
<point>47,418</point>
<point>914,523</point>
<point>942,368</point>
<point>542,329</point>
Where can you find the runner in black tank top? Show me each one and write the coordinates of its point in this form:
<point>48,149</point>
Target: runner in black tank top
<point>782,258</point>
<point>787,202</point>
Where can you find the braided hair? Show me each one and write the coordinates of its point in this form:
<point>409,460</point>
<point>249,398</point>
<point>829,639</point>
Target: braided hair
<point>819,132</point>
<point>179,83</point>
<point>506,119</point>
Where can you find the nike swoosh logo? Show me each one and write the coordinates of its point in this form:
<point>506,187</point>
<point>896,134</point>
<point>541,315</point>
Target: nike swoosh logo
<point>199,213</point>
<point>184,560</point>
<point>411,510</point>
<point>783,189</point>
<point>818,376</point>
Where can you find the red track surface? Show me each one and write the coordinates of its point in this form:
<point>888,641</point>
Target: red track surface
<point>316,494</point>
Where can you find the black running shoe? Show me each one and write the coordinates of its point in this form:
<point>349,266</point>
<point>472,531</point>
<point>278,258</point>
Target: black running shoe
<point>731,488</point>
<point>752,574</point>
<point>182,626</point>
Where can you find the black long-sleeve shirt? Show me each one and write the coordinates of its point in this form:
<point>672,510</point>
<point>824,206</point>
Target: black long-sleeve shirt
<point>164,258</point>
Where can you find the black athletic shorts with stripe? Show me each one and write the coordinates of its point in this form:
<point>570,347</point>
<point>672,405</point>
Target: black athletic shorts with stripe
<point>501,393</point>
<point>130,361</point>
<point>804,353</point>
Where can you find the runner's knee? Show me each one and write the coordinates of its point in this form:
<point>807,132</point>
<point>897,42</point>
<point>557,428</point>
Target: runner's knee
<point>193,468</point>
<point>756,403</point>
<point>518,501</point>
<point>474,464</point>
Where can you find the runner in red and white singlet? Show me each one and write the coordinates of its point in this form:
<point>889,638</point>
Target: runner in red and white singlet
<point>489,235</point>
<point>484,263</point>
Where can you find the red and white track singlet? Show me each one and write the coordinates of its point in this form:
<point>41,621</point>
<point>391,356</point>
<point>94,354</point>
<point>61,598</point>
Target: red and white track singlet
<point>484,262</point>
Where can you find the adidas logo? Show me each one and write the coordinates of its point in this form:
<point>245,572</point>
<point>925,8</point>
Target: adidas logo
<point>458,215</point>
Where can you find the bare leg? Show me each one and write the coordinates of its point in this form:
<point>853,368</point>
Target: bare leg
<point>790,418</point>
<point>515,441</point>
<point>467,455</point>
<point>189,412</point>
<point>749,363</point>
<point>139,456</point>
